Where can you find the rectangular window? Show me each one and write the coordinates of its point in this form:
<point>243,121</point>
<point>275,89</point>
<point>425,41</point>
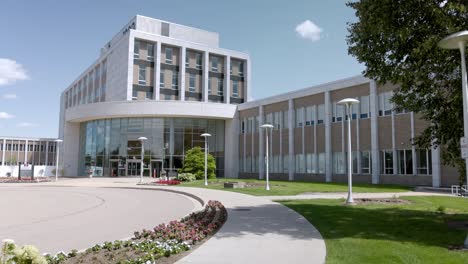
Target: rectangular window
<point>134,95</point>
<point>187,60</point>
<point>285,163</point>
<point>285,119</point>
<point>338,112</point>
<point>276,120</point>
<point>150,52</point>
<point>168,55</point>
<point>161,79</point>
<point>165,29</point>
<point>405,161</point>
<point>385,106</point>
<point>321,163</point>
<point>235,88</point>
<point>149,95</point>
<point>300,117</point>
<point>386,162</point>
<point>209,85</point>
<point>310,116</point>
<point>142,75</point>
<point>241,69</point>
<point>198,61</point>
<point>214,64</point>
<point>364,107</point>
<point>220,87</point>
<point>175,80</point>
<point>192,82</point>
<point>365,162</point>
<point>354,157</point>
<point>300,163</point>
<point>320,114</point>
<point>309,166</point>
<point>423,162</point>
<point>230,68</point>
<point>136,49</point>
<point>338,162</point>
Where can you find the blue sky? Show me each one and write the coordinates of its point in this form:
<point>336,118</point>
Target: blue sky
<point>46,44</point>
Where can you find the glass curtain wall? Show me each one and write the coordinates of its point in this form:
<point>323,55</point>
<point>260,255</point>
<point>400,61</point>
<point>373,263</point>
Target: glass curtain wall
<point>108,147</point>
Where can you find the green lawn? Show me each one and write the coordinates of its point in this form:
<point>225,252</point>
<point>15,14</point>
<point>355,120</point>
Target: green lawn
<point>293,188</point>
<point>410,233</point>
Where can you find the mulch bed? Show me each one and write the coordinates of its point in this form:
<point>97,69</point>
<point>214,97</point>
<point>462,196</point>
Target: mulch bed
<point>365,201</point>
<point>23,179</point>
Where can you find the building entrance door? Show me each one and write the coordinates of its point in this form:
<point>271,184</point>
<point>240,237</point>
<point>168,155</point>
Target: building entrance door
<point>114,168</point>
<point>156,166</point>
<point>133,167</point>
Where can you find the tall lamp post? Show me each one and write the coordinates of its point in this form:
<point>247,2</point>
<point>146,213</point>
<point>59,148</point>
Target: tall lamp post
<point>268,128</point>
<point>206,136</point>
<point>348,102</point>
<point>57,143</point>
<point>458,41</point>
<point>142,140</point>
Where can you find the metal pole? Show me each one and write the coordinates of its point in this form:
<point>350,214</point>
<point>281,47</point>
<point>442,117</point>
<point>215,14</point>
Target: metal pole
<point>142,163</point>
<point>267,187</point>
<point>462,45</point>
<point>57,161</point>
<point>350,199</point>
<point>206,161</point>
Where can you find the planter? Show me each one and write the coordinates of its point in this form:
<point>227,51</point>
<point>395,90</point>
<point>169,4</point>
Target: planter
<point>234,185</point>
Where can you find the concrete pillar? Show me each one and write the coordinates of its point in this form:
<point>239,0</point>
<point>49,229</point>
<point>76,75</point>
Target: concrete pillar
<point>206,70</point>
<point>261,143</point>
<point>46,154</point>
<point>26,152</point>
<point>3,153</point>
<point>328,149</point>
<point>157,71</point>
<point>247,79</point>
<point>374,112</point>
<point>413,147</point>
<point>70,149</point>
<point>171,141</point>
<point>291,117</point>
<point>131,44</point>
<point>231,150</point>
<point>183,53</point>
<point>436,170</point>
<point>227,79</point>
<point>394,151</point>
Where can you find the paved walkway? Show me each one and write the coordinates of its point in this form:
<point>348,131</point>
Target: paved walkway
<point>355,195</point>
<point>257,230</point>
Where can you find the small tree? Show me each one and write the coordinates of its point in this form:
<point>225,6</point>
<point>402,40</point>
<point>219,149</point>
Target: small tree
<point>194,163</point>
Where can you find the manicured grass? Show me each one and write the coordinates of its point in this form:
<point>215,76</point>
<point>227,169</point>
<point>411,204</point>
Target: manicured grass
<point>377,233</point>
<point>293,188</point>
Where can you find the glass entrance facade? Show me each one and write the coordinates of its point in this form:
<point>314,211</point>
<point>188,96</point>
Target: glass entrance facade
<point>110,147</point>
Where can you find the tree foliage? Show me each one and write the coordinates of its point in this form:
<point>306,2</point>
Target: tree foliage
<point>397,42</point>
<point>194,163</point>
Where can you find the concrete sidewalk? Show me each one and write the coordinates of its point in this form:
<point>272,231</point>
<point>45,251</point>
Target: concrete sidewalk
<point>257,230</point>
<point>355,195</point>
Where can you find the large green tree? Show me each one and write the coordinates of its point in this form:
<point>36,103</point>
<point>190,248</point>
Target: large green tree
<point>397,40</point>
<point>194,163</point>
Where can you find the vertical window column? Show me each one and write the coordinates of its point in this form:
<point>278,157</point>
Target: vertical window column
<point>157,71</point>
<point>374,108</point>
<point>206,69</point>
<point>183,53</point>
<point>227,79</point>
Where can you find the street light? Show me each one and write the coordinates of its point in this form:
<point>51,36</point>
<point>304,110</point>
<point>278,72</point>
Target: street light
<point>458,41</point>
<point>57,142</point>
<point>206,136</point>
<point>348,102</point>
<point>267,128</point>
<point>142,139</point>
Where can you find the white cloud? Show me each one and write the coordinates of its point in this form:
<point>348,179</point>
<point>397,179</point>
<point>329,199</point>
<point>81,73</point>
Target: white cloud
<point>10,96</point>
<point>309,30</point>
<point>5,115</point>
<point>27,124</point>
<point>11,71</point>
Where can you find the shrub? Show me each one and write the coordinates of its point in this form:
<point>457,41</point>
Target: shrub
<point>194,163</point>
<point>168,182</point>
<point>11,253</point>
<point>186,177</point>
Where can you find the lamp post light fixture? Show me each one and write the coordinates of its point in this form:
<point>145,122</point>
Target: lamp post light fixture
<point>142,140</point>
<point>206,136</point>
<point>268,128</point>
<point>57,142</point>
<point>348,102</point>
<point>459,41</point>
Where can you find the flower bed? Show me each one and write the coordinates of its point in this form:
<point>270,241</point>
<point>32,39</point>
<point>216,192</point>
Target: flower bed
<point>147,246</point>
<point>23,179</point>
<point>168,182</point>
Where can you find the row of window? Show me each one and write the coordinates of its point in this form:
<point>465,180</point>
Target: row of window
<point>22,147</point>
<point>90,89</point>
<point>314,163</point>
<point>169,58</point>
